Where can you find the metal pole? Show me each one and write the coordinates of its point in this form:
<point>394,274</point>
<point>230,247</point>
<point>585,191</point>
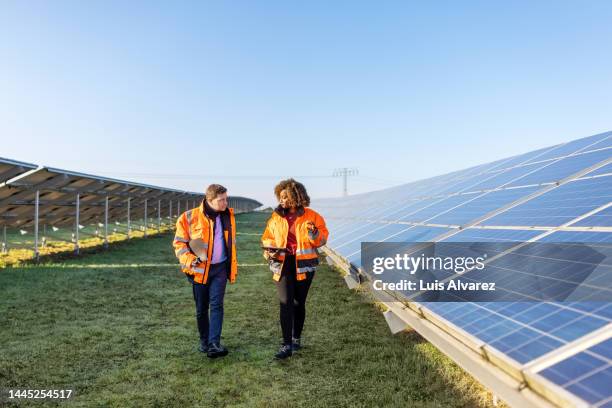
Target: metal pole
<point>170,210</point>
<point>106,222</point>
<point>178,208</point>
<point>4,243</point>
<point>158,216</point>
<point>76,227</point>
<point>36,204</point>
<point>145,218</point>
<point>128,218</point>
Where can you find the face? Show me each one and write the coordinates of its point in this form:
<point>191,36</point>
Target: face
<point>284,199</point>
<point>219,203</point>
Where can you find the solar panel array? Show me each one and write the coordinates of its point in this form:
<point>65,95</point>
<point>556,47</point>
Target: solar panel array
<point>558,194</point>
<point>33,196</point>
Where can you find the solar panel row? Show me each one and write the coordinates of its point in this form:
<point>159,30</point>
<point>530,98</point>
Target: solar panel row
<point>557,194</point>
<point>32,196</point>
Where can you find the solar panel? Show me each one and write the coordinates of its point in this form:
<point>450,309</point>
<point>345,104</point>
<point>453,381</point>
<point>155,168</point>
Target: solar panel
<point>559,206</point>
<point>36,197</point>
<point>557,195</point>
<point>598,141</point>
<point>11,168</point>
<point>588,374</point>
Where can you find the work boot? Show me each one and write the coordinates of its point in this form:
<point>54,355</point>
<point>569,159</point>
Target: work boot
<point>203,347</point>
<point>216,350</point>
<point>283,352</point>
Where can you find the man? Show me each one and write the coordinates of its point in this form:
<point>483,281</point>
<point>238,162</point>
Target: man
<point>205,244</point>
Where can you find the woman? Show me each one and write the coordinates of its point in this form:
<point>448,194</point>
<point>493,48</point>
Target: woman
<point>290,242</point>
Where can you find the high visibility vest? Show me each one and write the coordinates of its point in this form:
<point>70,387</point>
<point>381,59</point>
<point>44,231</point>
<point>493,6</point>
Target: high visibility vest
<point>306,254</point>
<point>195,235</point>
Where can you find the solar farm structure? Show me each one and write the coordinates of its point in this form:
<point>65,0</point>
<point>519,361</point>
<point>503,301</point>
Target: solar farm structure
<point>40,204</point>
<point>528,353</point>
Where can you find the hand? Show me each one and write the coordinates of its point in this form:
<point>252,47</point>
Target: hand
<point>270,254</point>
<point>196,262</point>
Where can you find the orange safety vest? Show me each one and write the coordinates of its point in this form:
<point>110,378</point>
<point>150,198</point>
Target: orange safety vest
<point>306,255</point>
<point>195,224</point>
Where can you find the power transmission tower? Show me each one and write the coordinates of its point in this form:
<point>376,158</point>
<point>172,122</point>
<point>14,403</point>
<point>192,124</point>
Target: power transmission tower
<point>344,172</point>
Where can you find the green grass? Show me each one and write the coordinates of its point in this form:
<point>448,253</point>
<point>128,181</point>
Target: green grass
<point>59,243</point>
<point>118,327</point>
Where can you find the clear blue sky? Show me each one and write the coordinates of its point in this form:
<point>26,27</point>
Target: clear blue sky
<point>181,94</point>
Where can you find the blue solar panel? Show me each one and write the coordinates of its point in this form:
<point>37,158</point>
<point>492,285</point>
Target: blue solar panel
<point>478,207</point>
<point>600,219</point>
<point>607,169</point>
<point>563,168</point>
<point>560,205</point>
<point>587,374</point>
<point>493,235</point>
<point>541,326</point>
<point>522,330</point>
<point>584,144</point>
<point>505,177</point>
<point>394,234</point>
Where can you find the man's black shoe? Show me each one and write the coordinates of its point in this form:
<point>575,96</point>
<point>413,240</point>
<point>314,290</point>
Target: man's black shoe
<point>216,350</point>
<point>296,344</point>
<point>203,347</point>
<point>284,352</point>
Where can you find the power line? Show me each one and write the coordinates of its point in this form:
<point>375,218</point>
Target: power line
<point>345,172</point>
<point>216,176</point>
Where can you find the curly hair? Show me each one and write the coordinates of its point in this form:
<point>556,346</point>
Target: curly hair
<point>298,197</point>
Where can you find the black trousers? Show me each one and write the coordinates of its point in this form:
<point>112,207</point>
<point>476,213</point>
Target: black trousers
<point>292,296</point>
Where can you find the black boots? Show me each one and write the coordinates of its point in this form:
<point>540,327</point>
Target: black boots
<point>283,352</point>
<point>203,347</point>
<point>287,350</point>
<point>216,350</point>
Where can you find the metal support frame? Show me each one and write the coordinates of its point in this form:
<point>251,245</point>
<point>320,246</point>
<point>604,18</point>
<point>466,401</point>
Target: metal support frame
<point>145,217</point>
<point>36,206</point>
<point>76,224</point>
<point>158,216</point>
<point>4,242</point>
<point>128,217</point>
<point>106,222</point>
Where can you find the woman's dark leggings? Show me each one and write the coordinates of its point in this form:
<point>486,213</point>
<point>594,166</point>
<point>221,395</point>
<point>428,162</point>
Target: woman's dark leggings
<point>292,295</point>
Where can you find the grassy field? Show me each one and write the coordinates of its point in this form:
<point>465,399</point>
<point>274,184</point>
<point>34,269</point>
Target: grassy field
<point>59,243</point>
<point>118,327</point>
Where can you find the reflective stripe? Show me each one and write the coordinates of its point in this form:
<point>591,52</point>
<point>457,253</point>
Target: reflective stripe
<point>182,251</point>
<point>179,239</point>
<point>188,215</point>
<point>306,269</point>
<point>198,270</point>
<point>305,251</point>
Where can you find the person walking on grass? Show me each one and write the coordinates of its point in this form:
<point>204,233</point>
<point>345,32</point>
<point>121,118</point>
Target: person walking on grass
<point>290,241</point>
<point>205,244</point>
